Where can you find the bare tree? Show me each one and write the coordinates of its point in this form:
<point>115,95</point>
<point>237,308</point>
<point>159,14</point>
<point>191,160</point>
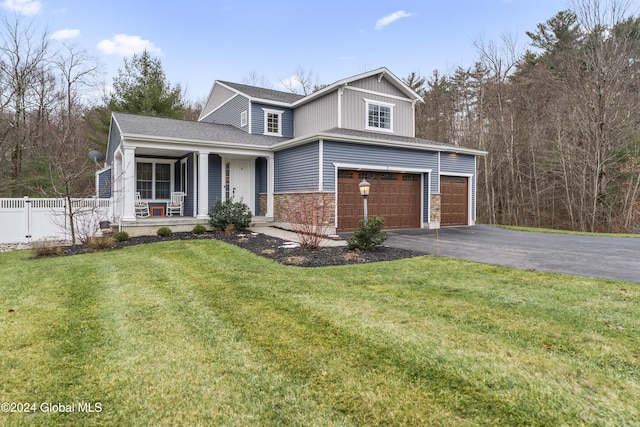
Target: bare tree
<point>303,80</point>
<point>24,56</point>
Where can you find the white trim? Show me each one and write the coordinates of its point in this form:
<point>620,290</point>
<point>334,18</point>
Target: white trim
<point>201,179</point>
<point>320,163</point>
<point>470,191</point>
<point>154,161</point>
<point>340,93</point>
<point>380,168</point>
<point>368,103</point>
<point>278,113</point>
<point>249,116</point>
<point>243,118</point>
<point>371,92</point>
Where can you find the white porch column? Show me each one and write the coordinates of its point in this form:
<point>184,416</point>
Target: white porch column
<point>270,185</point>
<point>129,180</point>
<point>203,185</point>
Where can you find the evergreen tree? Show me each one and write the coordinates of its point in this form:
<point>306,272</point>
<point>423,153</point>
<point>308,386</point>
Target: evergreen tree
<point>142,88</point>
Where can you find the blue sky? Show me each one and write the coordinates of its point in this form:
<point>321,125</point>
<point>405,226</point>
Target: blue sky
<point>201,41</point>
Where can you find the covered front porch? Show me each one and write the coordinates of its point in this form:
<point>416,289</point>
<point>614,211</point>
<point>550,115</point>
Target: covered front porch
<point>149,173</point>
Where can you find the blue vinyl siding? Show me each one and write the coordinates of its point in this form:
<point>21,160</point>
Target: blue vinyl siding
<point>104,184</point>
<point>114,142</point>
<point>297,168</point>
<point>257,119</point>
<point>461,164</point>
<point>215,178</point>
<point>261,182</point>
<point>191,193</point>
<point>229,113</point>
<point>340,152</point>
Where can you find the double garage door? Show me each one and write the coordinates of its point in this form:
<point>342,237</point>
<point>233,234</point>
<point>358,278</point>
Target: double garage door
<point>393,196</point>
<point>397,198</point>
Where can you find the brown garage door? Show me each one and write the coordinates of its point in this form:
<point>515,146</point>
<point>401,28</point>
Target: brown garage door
<point>454,200</point>
<point>393,196</point>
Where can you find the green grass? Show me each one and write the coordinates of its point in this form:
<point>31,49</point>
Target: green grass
<point>556,231</point>
<point>204,333</point>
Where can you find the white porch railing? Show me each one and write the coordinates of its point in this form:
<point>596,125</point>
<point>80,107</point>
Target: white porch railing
<point>26,220</point>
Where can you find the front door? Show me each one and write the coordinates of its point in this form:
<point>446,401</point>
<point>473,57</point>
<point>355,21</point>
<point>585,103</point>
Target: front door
<point>240,182</point>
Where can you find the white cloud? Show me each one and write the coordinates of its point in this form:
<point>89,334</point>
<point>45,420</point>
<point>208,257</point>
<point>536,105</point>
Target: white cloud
<point>65,34</point>
<point>23,7</point>
<point>291,84</point>
<point>126,45</point>
<point>383,22</point>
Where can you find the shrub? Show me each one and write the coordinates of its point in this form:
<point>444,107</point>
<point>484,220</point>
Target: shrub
<point>47,247</point>
<point>226,213</point>
<point>310,215</point>
<point>121,236</point>
<point>199,229</point>
<point>164,232</point>
<point>101,243</point>
<point>369,235</point>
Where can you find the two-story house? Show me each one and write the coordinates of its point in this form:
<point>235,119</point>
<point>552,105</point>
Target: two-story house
<point>261,146</point>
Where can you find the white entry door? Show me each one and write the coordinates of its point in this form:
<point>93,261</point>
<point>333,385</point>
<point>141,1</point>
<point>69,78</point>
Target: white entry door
<point>241,186</point>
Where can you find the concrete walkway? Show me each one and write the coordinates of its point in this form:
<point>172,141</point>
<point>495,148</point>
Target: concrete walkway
<point>290,236</point>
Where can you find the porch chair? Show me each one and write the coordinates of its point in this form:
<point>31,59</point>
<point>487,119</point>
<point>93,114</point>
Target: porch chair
<point>142,207</point>
<point>176,206</point>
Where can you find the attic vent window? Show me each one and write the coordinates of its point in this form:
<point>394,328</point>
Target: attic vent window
<point>379,115</point>
<point>243,118</point>
<point>272,122</point>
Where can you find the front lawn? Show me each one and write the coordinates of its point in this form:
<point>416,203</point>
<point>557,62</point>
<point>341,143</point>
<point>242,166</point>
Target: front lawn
<point>205,333</point>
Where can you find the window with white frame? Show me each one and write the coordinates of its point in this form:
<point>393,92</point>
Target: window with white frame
<point>379,115</point>
<point>153,180</point>
<point>272,122</point>
<point>243,118</point>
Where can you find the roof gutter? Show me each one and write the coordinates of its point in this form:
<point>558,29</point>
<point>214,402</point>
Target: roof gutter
<point>168,140</point>
<point>375,141</point>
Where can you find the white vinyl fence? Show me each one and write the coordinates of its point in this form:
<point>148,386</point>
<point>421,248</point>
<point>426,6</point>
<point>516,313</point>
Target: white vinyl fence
<point>28,220</point>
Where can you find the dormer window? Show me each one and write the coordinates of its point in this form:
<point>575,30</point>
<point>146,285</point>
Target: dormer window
<point>379,115</point>
<point>272,122</point>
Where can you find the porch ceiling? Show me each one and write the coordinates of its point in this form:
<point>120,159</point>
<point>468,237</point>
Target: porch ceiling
<point>161,152</point>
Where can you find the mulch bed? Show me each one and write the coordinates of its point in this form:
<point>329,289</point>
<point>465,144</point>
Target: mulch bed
<point>270,247</point>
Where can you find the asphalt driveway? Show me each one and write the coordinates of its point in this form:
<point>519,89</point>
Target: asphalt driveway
<point>591,256</point>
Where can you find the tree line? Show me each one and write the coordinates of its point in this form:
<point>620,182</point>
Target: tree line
<point>54,110</point>
<point>559,119</point>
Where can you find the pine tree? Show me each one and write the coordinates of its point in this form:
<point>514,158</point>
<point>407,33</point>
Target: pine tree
<point>142,88</point>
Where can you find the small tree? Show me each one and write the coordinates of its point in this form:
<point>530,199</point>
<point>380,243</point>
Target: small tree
<point>369,235</point>
<point>310,215</point>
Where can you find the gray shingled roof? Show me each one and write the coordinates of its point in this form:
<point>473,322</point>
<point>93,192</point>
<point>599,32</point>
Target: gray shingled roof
<point>262,93</point>
<point>130,124</point>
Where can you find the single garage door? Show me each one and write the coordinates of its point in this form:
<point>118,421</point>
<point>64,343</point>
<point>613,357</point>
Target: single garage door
<point>454,200</point>
<point>393,196</point>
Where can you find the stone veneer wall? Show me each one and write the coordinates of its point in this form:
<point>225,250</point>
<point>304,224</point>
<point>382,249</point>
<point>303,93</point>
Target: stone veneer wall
<point>435,210</point>
<point>282,201</point>
<point>263,204</point>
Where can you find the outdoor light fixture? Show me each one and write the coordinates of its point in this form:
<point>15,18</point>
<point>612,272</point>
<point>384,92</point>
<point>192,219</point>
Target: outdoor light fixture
<point>364,188</point>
